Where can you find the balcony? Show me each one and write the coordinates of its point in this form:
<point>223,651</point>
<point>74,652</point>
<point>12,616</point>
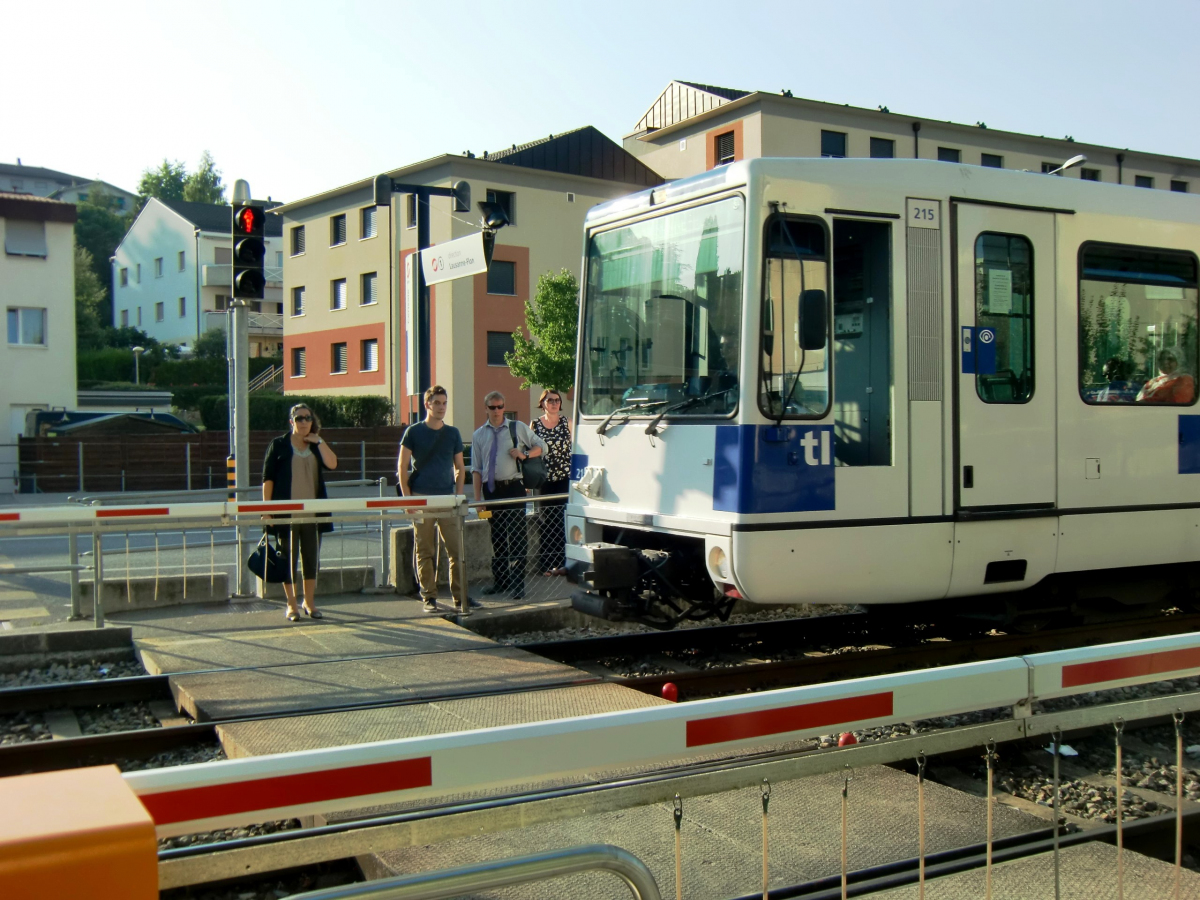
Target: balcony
<point>220,275</point>
<point>260,324</point>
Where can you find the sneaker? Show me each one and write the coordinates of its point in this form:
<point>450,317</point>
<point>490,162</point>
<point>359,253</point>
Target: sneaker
<point>431,606</point>
<point>472,603</point>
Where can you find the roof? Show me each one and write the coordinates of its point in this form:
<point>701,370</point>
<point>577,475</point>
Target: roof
<point>583,151</point>
<point>34,208</point>
<point>108,187</point>
<point>39,172</point>
<point>212,217</point>
<point>683,100</point>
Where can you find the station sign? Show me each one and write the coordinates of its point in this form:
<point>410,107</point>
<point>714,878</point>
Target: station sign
<point>454,259</point>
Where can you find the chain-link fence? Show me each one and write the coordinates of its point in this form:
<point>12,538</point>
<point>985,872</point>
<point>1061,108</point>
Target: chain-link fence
<point>525,540</point>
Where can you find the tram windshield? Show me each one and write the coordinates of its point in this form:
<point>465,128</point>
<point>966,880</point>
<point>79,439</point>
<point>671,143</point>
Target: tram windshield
<point>662,314</point>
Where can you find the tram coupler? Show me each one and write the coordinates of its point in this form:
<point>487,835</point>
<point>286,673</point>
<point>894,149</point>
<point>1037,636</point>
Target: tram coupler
<point>603,567</point>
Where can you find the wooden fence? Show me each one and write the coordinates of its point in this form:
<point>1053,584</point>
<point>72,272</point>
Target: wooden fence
<point>103,463</point>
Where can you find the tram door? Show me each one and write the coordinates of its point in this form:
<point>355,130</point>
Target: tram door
<point>1005,357</point>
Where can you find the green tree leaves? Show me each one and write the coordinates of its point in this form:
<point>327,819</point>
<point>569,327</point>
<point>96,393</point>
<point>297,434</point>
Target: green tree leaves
<point>552,317</point>
<point>171,181</point>
<point>204,185</point>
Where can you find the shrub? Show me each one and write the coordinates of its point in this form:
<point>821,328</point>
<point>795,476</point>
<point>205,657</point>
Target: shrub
<point>269,411</point>
<point>206,370</point>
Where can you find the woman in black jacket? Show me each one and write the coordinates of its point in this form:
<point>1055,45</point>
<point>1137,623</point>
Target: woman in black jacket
<point>294,470</point>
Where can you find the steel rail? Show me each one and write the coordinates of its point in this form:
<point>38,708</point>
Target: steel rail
<point>502,873</point>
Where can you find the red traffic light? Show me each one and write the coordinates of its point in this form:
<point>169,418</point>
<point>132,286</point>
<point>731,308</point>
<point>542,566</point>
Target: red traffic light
<point>248,219</point>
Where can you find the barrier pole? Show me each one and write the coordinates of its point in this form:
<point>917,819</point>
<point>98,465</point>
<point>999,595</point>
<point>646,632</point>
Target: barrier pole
<point>362,460</point>
<point>678,849</point>
<point>766,799</point>
<point>1119,725</point>
<point>920,825</point>
<point>73,556</point>
<point>97,578</point>
<point>1056,744</point>
<point>1178,717</point>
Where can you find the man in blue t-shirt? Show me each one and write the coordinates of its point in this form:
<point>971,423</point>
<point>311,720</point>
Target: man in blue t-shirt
<point>431,462</point>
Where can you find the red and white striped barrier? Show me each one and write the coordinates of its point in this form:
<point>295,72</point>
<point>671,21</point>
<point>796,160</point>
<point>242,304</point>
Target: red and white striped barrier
<point>72,515</point>
<point>224,794</point>
<point>237,792</point>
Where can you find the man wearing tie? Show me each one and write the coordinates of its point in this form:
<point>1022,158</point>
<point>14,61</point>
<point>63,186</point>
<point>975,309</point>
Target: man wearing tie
<point>496,475</point>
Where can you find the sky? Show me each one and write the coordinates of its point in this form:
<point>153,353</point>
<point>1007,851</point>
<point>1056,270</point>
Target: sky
<point>300,97</point>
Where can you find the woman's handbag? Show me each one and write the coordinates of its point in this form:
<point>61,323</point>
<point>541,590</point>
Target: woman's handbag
<point>267,562</point>
<point>533,471</point>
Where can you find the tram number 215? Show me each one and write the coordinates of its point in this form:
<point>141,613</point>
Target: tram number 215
<point>924,214</point>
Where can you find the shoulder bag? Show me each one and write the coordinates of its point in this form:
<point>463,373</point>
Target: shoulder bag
<point>267,561</point>
<point>533,471</point>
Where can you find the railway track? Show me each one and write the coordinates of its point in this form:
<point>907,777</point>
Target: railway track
<point>860,652</point>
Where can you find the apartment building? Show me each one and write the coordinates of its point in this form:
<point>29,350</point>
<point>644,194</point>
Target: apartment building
<point>173,276</point>
<point>37,291</point>
<point>344,295</point>
<point>691,128</point>
<point>22,179</point>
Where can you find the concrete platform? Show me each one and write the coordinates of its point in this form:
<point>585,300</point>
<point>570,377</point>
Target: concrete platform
<point>722,837</point>
<point>440,717</point>
<point>1087,872</point>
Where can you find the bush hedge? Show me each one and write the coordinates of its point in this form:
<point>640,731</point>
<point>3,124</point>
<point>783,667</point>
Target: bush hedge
<point>186,372</point>
<point>269,410</point>
<point>115,364</point>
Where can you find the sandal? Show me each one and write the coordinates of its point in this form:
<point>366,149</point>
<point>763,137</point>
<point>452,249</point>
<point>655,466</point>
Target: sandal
<point>312,613</point>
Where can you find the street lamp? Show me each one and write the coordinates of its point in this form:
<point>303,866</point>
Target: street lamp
<point>1069,164</point>
<point>137,357</point>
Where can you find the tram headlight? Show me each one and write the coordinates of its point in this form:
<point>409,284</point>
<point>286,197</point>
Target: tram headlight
<point>718,562</point>
<point>576,534</point>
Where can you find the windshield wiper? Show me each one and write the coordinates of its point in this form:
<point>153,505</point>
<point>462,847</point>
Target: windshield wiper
<point>652,428</point>
<point>632,407</point>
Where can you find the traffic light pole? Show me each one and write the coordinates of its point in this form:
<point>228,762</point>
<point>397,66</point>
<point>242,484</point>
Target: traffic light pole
<point>239,329</point>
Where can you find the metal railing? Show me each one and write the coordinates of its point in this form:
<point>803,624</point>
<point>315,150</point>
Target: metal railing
<point>503,873</point>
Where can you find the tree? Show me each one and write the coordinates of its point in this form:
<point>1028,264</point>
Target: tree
<point>166,182</point>
<point>204,185</point>
<point>91,301</point>
<point>547,357</point>
<point>210,345</point>
<point>98,230</point>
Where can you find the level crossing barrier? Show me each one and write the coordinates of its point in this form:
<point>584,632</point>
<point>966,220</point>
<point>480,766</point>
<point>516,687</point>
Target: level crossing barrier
<point>237,792</point>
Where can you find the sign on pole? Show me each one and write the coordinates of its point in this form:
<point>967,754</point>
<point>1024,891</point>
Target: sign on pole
<point>454,259</point>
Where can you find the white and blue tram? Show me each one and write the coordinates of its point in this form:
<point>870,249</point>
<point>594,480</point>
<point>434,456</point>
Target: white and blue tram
<point>882,382</point>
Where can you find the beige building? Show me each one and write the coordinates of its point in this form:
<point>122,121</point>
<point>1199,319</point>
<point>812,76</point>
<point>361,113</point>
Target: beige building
<point>344,297</point>
<point>691,128</point>
<point>37,292</point>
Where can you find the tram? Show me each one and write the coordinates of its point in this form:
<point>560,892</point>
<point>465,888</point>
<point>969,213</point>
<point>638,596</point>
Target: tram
<point>884,382</point>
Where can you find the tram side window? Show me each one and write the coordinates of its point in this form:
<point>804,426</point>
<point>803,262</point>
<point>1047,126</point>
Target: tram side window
<point>793,382</point>
<point>1004,304</point>
<point>1137,325</point>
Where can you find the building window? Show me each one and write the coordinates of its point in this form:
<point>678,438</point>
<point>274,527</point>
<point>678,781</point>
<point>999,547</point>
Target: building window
<point>297,240</point>
<point>1179,187</point>
<point>508,203</point>
<point>299,366</point>
<point>1089,174</point>
<point>298,301</point>
<point>726,149</point>
<point>833,143</point>
<point>949,154</point>
<point>222,301</point>
<point>160,311</point>
<point>570,197</point>
<point>1137,333</point>
<point>124,318</point>
<point>337,359</point>
<point>991,161</point>
<point>883,148</point>
<point>124,276</point>
<point>25,238</point>
<point>27,326</point>
<point>368,222</point>
<point>1145,181</point>
<point>337,230</point>
<point>223,256</point>
<point>182,307</point>
<point>182,259</point>
<point>410,210</point>
<point>368,289</point>
<point>279,260</point>
<point>1004,303</point>
<point>1048,167</point>
<point>158,268</point>
<point>139,317</point>
<point>502,278</point>
<point>337,294</point>
<point>498,343</point>
<point>138,273</point>
<point>370,355</point>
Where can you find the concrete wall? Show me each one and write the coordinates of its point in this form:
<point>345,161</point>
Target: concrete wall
<point>36,377</point>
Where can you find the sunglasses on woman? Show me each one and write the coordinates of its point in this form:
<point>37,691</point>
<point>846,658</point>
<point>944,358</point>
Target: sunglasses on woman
<point>302,419</point>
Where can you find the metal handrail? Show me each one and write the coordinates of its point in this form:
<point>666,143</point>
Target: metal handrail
<point>127,498</point>
<point>503,873</point>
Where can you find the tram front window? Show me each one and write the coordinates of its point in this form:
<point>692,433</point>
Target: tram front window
<point>662,313</point>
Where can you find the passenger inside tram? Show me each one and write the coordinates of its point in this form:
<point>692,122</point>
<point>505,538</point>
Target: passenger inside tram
<point>1119,388</point>
<point>1170,385</point>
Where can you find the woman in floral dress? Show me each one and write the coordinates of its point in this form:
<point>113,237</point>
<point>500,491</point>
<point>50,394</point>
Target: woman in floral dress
<point>553,428</point>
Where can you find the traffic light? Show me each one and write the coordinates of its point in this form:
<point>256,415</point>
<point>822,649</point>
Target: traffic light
<point>249,251</point>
